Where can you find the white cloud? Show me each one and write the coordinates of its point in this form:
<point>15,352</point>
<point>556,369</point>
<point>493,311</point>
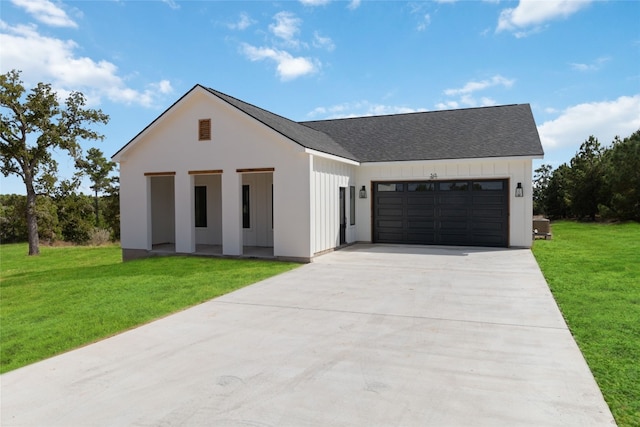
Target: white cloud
<point>172,4</point>
<point>534,13</point>
<point>46,12</point>
<point>47,59</point>
<point>323,42</point>
<point>288,67</point>
<point>286,27</point>
<point>354,4</point>
<point>315,2</point>
<point>243,22</point>
<point>360,109</point>
<point>465,93</point>
<point>474,86</point>
<point>604,120</point>
<point>426,20</point>
<point>448,105</point>
<point>594,66</point>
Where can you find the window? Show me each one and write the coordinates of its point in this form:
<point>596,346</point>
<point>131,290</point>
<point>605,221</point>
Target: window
<point>420,186</point>
<point>488,185</point>
<point>204,130</point>
<point>246,216</point>
<point>454,186</point>
<point>352,205</point>
<point>390,187</point>
<point>201,206</point>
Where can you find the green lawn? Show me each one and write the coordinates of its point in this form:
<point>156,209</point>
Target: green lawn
<point>70,296</point>
<point>594,273</point>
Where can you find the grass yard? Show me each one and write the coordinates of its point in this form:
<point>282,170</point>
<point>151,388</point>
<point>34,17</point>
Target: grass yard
<point>594,273</point>
<point>70,296</point>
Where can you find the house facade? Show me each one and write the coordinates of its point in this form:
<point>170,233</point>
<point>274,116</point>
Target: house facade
<point>214,174</point>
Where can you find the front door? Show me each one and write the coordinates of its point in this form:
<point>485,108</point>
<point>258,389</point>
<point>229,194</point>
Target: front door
<point>343,216</point>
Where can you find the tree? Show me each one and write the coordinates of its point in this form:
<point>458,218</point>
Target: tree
<point>31,127</point>
<point>622,177</point>
<point>585,180</point>
<point>556,203</point>
<point>541,179</point>
<point>97,168</point>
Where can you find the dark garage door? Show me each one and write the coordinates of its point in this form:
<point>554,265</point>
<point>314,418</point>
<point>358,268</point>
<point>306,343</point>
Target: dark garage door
<point>463,213</point>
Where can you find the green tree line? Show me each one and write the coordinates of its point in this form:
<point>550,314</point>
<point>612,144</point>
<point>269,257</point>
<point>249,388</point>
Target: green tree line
<point>66,216</point>
<point>598,183</point>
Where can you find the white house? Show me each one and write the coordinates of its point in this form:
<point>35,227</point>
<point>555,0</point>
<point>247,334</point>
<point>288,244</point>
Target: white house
<point>213,174</point>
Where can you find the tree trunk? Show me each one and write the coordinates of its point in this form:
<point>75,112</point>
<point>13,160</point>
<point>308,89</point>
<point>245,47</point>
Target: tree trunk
<point>97,201</point>
<point>32,220</point>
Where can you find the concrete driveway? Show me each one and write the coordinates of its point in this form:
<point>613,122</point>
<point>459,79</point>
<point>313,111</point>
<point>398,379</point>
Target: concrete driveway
<point>372,335</point>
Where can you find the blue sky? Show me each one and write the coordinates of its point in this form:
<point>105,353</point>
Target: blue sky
<point>577,62</point>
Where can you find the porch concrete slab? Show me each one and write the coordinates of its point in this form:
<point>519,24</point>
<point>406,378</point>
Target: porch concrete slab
<point>374,335</point>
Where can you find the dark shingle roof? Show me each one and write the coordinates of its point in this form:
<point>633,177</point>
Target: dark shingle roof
<point>502,131</point>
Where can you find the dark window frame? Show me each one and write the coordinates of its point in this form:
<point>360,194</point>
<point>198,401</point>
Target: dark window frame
<point>246,206</point>
<point>200,205</point>
<point>352,205</point>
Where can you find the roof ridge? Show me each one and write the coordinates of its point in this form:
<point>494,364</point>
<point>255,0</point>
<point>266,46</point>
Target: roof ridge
<point>373,116</point>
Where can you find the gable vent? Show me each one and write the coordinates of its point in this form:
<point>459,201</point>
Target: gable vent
<point>204,130</point>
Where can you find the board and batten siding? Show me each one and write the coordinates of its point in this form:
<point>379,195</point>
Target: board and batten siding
<point>327,176</point>
<point>513,169</point>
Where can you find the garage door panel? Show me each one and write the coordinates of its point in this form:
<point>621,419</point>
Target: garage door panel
<point>420,225</point>
<point>462,212</point>
<point>452,226</point>
<point>420,213</point>
<point>390,224</point>
<point>453,213</point>
<point>487,212</point>
<point>418,199</point>
<point>487,199</point>
<point>453,199</point>
<point>421,238</point>
<point>390,212</point>
<point>486,240</point>
<point>488,226</point>
<point>386,200</point>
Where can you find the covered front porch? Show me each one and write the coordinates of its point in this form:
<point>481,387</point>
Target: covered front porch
<point>211,213</point>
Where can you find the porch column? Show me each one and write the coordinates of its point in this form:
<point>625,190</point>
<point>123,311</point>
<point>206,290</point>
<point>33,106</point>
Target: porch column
<point>231,206</point>
<point>185,231</point>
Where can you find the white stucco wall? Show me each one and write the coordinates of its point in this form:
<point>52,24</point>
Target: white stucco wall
<point>238,142</point>
<point>327,176</point>
<point>514,169</point>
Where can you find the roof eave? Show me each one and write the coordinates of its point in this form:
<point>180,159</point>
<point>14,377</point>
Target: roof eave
<point>453,159</point>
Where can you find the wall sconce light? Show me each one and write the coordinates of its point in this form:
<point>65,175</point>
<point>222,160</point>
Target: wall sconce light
<point>363,193</point>
<point>519,190</point>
